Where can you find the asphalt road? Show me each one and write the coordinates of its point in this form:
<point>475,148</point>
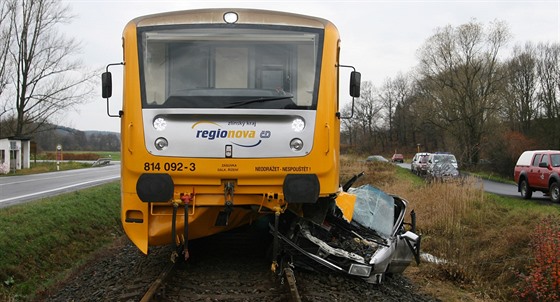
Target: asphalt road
<point>19,189</point>
<point>497,188</point>
<point>508,190</point>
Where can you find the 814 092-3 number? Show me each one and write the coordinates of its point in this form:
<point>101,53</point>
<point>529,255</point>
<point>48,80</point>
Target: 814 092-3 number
<point>169,167</point>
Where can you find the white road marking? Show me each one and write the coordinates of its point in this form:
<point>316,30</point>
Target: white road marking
<point>58,189</point>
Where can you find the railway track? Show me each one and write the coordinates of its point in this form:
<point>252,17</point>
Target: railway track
<point>227,267</point>
<point>234,266</point>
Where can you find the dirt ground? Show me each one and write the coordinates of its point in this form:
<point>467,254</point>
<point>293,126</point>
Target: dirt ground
<point>122,273</point>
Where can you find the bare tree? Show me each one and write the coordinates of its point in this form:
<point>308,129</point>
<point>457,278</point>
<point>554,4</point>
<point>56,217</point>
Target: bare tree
<point>6,28</point>
<point>367,115</point>
<point>348,127</point>
<point>362,130</point>
<point>393,95</point>
<point>520,103</point>
<point>548,71</point>
<point>46,77</point>
<point>460,68</point>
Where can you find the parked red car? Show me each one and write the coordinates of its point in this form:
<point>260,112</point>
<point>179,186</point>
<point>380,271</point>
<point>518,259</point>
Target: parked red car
<point>397,158</point>
<point>538,170</point>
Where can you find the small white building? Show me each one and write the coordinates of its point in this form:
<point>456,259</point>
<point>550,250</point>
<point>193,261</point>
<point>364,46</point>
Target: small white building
<point>14,154</point>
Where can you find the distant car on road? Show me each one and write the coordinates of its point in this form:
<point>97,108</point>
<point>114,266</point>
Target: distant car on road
<point>443,171</point>
<point>397,158</point>
<point>419,164</point>
<point>538,170</point>
<point>433,158</point>
<point>379,158</point>
<point>438,165</point>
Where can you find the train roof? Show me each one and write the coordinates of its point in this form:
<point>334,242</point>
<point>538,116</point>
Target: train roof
<point>216,16</point>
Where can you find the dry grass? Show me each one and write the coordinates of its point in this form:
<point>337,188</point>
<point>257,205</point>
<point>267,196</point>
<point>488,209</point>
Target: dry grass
<point>484,238</point>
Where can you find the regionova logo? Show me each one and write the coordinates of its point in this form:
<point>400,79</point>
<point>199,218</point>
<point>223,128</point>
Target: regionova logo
<point>236,133</point>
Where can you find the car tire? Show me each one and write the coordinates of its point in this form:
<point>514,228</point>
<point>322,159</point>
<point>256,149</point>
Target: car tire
<point>554,191</point>
<point>525,190</point>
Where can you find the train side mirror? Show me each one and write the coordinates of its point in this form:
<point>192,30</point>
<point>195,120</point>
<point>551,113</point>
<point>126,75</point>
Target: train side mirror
<point>355,86</point>
<point>107,88</point>
<point>355,82</point>
<point>106,85</point>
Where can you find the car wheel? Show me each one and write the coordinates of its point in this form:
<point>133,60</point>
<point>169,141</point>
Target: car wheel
<point>554,191</point>
<point>525,190</point>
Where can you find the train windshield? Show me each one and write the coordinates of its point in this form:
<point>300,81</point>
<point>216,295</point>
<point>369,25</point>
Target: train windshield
<point>224,67</point>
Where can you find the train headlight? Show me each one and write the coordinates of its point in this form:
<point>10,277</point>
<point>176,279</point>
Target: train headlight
<point>160,124</point>
<point>161,143</point>
<point>298,125</point>
<point>231,17</point>
<point>296,144</point>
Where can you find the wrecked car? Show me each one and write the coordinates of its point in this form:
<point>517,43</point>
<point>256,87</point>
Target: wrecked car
<point>363,234</point>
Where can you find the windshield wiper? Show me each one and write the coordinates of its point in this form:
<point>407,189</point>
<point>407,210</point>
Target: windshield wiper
<point>258,100</point>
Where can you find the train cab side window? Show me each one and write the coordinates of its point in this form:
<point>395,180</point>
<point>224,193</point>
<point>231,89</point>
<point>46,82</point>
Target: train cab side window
<point>188,67</point>
<point>272,77</point>
<point>228,59</point>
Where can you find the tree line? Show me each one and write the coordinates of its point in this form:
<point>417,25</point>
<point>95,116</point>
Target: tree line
<point>75,140</point>
<point>464,96</point>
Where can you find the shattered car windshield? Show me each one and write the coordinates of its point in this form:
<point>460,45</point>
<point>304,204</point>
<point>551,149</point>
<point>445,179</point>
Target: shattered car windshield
<point>374,209</point>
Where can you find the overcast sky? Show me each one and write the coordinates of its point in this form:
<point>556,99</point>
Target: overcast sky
<point>379,38</point>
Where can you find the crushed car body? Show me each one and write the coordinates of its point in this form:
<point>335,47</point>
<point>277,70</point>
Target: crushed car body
<point>363,234</point>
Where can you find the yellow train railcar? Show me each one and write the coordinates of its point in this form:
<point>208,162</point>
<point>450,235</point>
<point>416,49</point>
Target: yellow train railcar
<point>227,114</point>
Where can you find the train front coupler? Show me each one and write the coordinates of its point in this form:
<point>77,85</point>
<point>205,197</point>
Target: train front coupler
<point>223,216</point>
<point>181,243</point>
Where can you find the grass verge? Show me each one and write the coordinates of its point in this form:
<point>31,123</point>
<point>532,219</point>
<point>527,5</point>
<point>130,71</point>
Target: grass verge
<point>41,241</point>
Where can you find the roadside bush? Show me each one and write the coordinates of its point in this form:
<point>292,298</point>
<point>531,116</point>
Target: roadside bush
<point>542,281</point>
<point>503,152</point>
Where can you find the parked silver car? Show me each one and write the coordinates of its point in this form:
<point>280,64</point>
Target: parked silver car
<point>374,158</point>
<point>442,167</point>
<point>419,164</point>
<point>368,241</point>
<point>437,156</point>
